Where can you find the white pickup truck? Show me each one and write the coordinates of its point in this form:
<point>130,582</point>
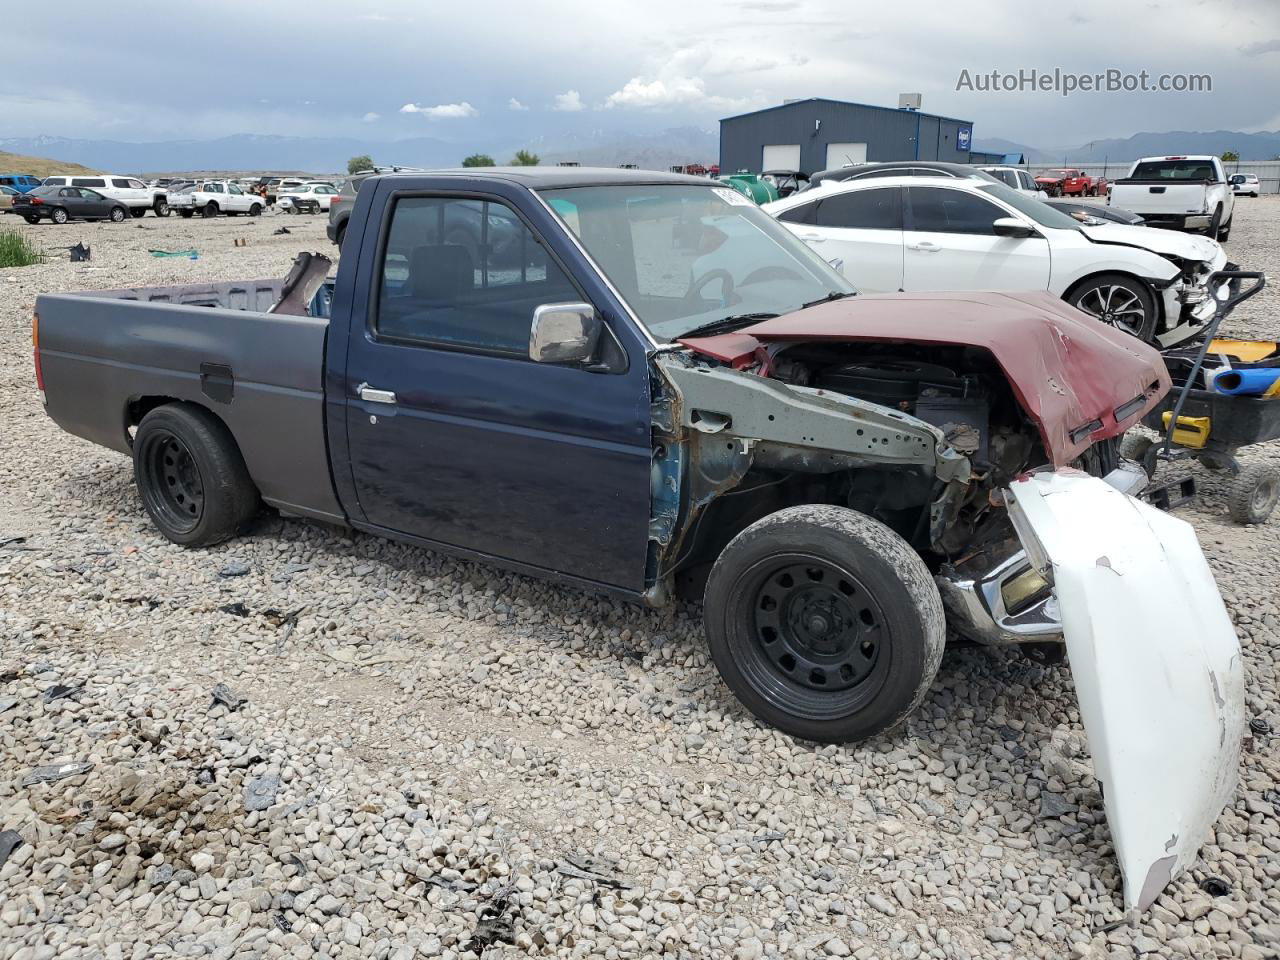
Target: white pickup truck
<point>1190,193</point>
<point>212,197</point>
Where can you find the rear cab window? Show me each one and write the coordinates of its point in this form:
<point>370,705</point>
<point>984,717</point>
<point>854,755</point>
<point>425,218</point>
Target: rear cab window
<point>88,182</point>
<point>1174,170</point>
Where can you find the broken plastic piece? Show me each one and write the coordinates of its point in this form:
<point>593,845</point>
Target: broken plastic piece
<point>80,253</point>
<point>1156,664</point>
<point>10,840</point>
<point>222,694</point>
<point>1215,886</point>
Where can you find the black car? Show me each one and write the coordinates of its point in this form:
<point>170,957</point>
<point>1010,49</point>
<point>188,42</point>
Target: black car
<point>900,168</point>
<point>1080,211</point>
<point>61,204</point>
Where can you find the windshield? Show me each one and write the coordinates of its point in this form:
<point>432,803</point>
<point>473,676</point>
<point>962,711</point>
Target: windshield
<point>683,256</point>
<point>1037,210</point>
<point>1173,170</point>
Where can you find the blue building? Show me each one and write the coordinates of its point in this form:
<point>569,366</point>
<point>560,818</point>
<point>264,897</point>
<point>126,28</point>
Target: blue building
<point>818,133</point>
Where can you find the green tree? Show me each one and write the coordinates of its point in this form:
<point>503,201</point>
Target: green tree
<point>524,158</point>
<point>362,162</point>
<point>1230,156</point>
<point>478,160</point>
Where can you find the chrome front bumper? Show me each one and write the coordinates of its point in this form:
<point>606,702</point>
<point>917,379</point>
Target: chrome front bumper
<point>973,589</point>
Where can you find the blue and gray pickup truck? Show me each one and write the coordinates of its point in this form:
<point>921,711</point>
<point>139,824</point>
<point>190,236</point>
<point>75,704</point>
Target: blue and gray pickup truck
<point>638,383</point>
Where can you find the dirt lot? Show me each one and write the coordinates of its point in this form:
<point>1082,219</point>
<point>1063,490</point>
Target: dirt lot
<point>428,749</point>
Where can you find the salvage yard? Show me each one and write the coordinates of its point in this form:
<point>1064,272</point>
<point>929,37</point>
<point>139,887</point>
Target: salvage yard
<point>413,756</point>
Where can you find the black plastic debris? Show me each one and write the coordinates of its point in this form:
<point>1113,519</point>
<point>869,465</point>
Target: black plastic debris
<point>236,609</point>
<point>1215,886</point>
<point>80,253</point>
<point>10,840</point>
<point>223,694</point>
<point>583,866</point>
<point>56,771</point>
<point>283,923</point>
<point>278,618</point>
<point>280,232</point>
<point>495,926</point>
<point>60,691</point>
<point>1260,727</point>
<point>260,792</point>
<point>236,568</point>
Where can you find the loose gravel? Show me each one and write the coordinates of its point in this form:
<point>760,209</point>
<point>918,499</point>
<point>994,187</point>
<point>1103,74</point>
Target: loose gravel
<point>361,749</point>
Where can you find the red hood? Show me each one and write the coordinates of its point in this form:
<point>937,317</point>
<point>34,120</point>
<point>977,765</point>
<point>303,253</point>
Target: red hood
<point>1067,369</point>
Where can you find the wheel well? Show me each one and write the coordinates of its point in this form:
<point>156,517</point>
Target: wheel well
<point>890,495</point>
<point>139,407</point>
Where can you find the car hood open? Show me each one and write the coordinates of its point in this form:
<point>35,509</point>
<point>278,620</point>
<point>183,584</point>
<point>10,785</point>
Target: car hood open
<point>1077,379</point>
<point>1167,243</point>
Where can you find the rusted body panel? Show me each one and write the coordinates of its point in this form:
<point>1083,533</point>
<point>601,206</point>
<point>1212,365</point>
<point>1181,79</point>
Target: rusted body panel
<point>1079,380</point>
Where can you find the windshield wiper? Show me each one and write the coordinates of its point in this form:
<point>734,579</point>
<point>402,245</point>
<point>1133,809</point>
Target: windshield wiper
<point>833,295</point>
<point>726,324</point>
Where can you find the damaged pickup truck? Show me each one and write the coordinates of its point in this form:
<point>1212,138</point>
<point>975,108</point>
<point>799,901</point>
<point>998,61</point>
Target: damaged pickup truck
<point>641,383</point>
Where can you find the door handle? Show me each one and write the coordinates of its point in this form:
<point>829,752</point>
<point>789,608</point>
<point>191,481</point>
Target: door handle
<point>924,246</point>
<point>371,395</point>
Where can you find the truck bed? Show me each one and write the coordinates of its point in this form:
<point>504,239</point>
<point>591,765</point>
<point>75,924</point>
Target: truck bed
<point>107,355</point>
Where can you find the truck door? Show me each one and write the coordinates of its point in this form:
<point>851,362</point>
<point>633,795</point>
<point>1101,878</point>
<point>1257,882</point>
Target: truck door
<point>453,434</point>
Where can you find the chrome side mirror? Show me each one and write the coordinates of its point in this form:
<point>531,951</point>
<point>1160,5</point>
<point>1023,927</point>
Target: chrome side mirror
<point>564,333</point>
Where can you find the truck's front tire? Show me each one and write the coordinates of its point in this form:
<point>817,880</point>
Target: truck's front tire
<point>191,477</point>
<point>824,623</point>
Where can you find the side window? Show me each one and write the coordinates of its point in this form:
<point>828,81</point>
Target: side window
<point>1025,180</point>
<point>232,188</point>
<point>88,182</point>
<point>7,181</point>
<point>68,192</point>
<point>860,210</point>
<point>939,210</point>
<point>798,214</point>
<point>121,182</point>
<point>464,273</point>
<point>55,181</point>
<point>137,185</point>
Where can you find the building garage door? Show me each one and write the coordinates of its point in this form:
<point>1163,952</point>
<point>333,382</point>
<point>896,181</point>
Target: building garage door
<point>781,156</point>
<point>839,154</point>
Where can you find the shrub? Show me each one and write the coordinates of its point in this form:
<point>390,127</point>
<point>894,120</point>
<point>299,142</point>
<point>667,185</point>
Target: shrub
<point>17,249</point>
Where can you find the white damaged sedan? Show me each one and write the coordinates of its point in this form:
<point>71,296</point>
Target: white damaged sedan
<point>914,234</point>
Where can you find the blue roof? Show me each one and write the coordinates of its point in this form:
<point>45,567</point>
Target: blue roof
<point>844,103</point>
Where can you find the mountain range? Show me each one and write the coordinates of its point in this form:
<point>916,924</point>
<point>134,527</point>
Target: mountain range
<point>256,152</point>
<point>604,147</point>
<point>1249,146</point>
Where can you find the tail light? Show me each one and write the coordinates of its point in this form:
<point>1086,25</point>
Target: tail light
<point>35,201</point>
<point>334,199</point>
<point>35,351</point>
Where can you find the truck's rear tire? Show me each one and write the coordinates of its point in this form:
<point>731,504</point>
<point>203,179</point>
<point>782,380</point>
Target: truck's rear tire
<point>824,623</point>
<point>210,209</point>
<point>191,477</point>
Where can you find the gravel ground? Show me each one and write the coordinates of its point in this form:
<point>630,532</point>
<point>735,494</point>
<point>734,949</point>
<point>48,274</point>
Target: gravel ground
<point>415,756</point>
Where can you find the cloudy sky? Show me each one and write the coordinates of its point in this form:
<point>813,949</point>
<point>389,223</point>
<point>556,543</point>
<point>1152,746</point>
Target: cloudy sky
<point>388,69</point>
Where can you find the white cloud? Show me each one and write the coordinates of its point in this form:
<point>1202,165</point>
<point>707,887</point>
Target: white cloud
<point>443,111</point>
<point>514,104</point>
<point>568,102</point>
<point>664,93</point>
<point>370,117</point>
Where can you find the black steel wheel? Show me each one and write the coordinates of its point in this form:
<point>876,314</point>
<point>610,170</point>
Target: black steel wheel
<point>824,623</point>
<point>191,476</point>
<point>1118,301</point>
<point>172,484</point>
<point>210,209</point>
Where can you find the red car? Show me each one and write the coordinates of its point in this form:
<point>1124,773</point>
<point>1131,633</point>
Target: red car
<point>1069,182</point>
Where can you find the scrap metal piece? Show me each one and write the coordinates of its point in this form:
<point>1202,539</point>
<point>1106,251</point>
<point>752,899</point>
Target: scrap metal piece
<point>1156,663</point>
<point>305,277</point>
<point>56,771</point>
